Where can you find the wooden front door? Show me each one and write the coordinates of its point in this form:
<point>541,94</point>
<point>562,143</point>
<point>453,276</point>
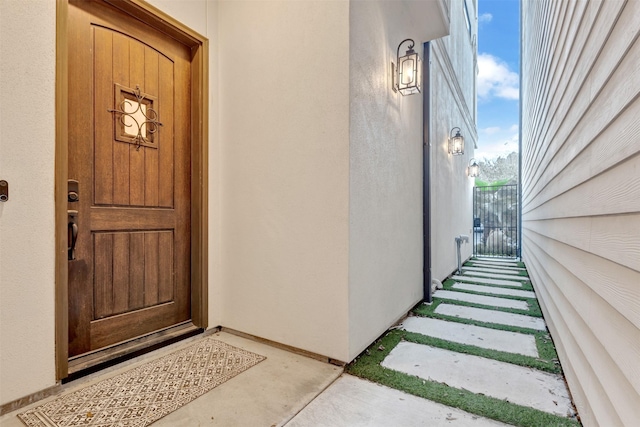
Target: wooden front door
<point>129,150</point>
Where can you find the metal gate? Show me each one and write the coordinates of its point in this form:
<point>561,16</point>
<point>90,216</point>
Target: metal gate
<point>495,221</point>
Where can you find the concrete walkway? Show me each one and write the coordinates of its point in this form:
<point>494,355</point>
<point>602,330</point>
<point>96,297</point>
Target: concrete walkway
<point>475,324</point>
<point>492,326</point>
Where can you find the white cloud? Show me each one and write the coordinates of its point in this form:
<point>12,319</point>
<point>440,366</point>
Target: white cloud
<point>495,79</point>
<point>514,128</point>
<point>485,17</point>
<point>491,130</point>
<point>493,147</point>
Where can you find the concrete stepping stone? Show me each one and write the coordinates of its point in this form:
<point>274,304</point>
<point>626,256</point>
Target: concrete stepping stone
<point>496,264</point>
<point>516,384</point>
<point>354,402</point>
<point>487,281</point>
<point>493,339</point>
<point>481,299</point>
<point>491,316</point>
<point>492,270</point>
<point>500,266</point>
<point>496,276</point>
<point>494,290</point>
<point>498,260</point>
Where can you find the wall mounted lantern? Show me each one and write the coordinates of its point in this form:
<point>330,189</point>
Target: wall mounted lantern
<point>456,142</point>
<point>474,169</point>
<point>406,78</point>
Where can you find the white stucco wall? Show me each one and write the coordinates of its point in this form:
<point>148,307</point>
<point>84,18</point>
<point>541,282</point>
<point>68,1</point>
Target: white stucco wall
<point>385,224</point>
<point>284,132</point>
<point>453,92</point>
<point>27,143</point>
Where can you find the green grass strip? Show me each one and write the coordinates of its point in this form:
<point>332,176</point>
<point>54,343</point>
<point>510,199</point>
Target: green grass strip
<point>428,311</point>
<point>528,312</point>
<point>474,280</point>
<point>548,360</point>
<point>448,285</point>
<point>522,273</point>
<point>533,310</point>
<point>471,261</point>
<point>547,356</point>
<point>367,366</point>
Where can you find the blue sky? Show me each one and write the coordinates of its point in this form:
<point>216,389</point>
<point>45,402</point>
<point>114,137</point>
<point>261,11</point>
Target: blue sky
<point>498,64</point>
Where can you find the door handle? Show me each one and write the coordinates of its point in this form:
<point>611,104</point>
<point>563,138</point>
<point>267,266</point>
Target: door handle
<point>73,191</point>
<point>72,234</point>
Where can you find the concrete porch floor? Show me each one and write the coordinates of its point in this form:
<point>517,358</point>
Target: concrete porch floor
<point>268,394</point>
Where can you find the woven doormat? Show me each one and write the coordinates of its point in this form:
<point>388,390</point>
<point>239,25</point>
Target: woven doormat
<point>147,393</point>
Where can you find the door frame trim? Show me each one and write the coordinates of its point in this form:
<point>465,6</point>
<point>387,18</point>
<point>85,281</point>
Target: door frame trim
<point>199,45</point>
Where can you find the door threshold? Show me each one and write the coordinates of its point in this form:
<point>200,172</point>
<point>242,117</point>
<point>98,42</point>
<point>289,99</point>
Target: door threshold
<point>97,360</point>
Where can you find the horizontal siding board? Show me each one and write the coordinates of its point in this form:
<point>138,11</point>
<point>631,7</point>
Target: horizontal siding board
<point>601,113</point>
<point>617,95</point>
<point>605,236</point>
<point>613,341</point>
<point>614,283</point>
<point>577,92</point>
<point>608,149</point>
<point>569,344</point>
<point>612,192</point>
<point>589,94</point>
<point>572,49</point>
<point>539,110</point>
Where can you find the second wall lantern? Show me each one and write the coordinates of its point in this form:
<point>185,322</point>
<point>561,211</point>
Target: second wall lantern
<point>456,142</point>
<point>474,169</point>
<point>407,75</point>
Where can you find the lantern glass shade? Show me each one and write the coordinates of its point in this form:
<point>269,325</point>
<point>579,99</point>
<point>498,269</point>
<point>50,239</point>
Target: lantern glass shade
<point>456,143</point>
<point>474,168</point>
<point>408,72</point>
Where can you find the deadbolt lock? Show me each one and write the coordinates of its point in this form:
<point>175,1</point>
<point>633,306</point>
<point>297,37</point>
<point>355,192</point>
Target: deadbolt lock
<point>73,191</point>
<point>4,191</point>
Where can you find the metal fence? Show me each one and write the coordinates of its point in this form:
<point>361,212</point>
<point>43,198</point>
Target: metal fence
<point>495,221</point>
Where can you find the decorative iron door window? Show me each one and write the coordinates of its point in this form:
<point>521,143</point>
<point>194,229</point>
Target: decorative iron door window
<point>136,118</point>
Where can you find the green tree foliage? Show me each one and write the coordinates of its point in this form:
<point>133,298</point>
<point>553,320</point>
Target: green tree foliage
<point>498,171</point>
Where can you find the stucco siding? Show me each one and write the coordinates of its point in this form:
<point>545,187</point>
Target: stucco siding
<point>284,133</point>
<point>581,192</point>
<point>385,253</point>
<point>27,144</point>
<point>452,104</point>
<point>386,163</point>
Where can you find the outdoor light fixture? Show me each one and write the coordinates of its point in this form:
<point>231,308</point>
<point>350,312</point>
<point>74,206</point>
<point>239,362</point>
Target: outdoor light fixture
<point>406,78</point>
<point>474,169</point>
<point>456,142</point>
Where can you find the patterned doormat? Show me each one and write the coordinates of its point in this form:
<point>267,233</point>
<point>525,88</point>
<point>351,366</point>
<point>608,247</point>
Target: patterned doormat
<point>147,393</point>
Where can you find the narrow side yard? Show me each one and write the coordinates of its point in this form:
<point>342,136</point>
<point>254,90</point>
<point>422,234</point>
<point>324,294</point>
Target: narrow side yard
<point>482,346</point>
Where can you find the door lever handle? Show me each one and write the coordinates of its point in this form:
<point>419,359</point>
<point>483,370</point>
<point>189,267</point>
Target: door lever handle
<point>72,234</point>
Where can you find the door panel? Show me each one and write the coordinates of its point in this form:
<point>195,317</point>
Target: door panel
<point>119,288</point>
<point>130,150</point>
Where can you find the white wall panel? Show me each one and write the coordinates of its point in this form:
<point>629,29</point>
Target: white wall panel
<point>27,144</point>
